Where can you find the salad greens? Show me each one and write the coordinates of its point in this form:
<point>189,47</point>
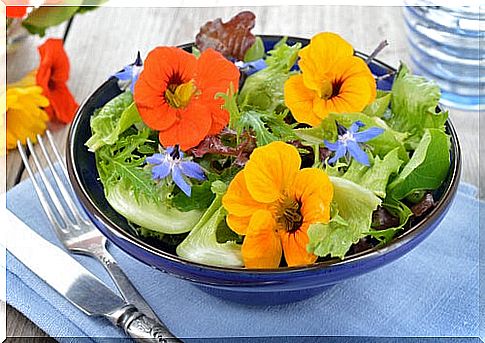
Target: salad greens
<point>353,208</point>
<point>407,159</point>
<point>201,244</point>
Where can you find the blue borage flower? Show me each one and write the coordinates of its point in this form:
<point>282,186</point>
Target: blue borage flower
<point>348,142</point>
<point>251,67</point>
<point>129,75</point>
<point>172,162</point>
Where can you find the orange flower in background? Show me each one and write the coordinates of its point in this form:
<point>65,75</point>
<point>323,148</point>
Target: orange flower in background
<point>16,11</point>
<point>332,80</point>
<point>175,94</point>
<point>52,76</point>
<point>272,203</point>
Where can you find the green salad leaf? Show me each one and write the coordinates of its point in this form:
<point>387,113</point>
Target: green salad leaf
<point>200,198</point>
<point>381,145</point>
<point>267,126</point>
<point>131,191</point>
<point>427,167</point>
<point>256,51</point>
<point>354,205</point>
<point>120,163</point>
<point>263,91</point>
<point>113,119</point>
<point>414,101</point>
<point>158,217</point>
<point>375,177</point>
<point>399,210</point>
<point>201,244</point>
<point>379,106</point>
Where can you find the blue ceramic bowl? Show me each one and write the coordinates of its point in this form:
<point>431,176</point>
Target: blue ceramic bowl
<point>249,286</point>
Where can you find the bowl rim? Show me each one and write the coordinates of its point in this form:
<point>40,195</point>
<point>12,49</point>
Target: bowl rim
<point>366,255</point>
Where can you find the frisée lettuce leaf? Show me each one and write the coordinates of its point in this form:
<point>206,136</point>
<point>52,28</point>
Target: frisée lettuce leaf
<point>113,119</point>
<point>131,191</point>
<point>414,102</point>
<point>263,90</point>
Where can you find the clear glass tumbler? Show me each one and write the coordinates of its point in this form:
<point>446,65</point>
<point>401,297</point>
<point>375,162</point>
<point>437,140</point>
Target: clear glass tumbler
<point>447,44</point>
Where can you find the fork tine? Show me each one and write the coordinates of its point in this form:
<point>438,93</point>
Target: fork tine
<point>60,184</point>
<point>58,155</point>
<point>43,200</point>
<point>52,194</point>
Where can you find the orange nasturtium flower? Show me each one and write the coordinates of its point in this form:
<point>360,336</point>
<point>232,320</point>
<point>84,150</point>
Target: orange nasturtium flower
<point>332,80</point>
<point>16,11</point>
<point>175,94</point>
<point>273,202</point>
<point>52,76</point>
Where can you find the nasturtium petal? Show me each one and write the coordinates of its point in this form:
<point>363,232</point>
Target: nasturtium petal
<point>237,200</point>
<point>314,190</point>
<point>270,170</point>
<point>238,224</point>
<point>299,100</point>
<point>325,46</point>
<point>262,246</point>
<point>194,129</point>
<point>294,247</point>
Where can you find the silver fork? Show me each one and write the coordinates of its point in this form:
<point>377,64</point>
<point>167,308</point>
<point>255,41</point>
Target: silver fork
<point>77,233</point>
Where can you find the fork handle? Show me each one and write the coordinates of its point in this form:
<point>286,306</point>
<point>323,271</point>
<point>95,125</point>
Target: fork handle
<point>143,329</point>
<point>124,285</point>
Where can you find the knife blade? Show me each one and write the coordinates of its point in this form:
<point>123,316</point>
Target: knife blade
<point>78,285</point>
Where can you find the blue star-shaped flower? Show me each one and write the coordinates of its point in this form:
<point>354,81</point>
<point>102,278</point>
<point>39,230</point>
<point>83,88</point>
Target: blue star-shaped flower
<point>172,162</point>
<point>129,75</point>
<point>348,142</point>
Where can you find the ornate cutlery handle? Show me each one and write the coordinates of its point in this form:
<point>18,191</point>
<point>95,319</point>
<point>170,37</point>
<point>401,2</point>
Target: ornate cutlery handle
<point>123,283</point>
<point>142,328</point>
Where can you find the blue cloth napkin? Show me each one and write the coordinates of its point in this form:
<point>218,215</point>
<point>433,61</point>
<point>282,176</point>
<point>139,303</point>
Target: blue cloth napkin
<point>431,291</point>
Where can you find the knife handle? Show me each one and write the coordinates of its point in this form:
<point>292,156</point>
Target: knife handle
<point>142,328</point>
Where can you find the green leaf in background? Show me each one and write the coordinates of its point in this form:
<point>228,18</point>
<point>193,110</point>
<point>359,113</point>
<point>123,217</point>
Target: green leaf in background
<point>376,177</point>
<point>379,106</point>
<point>201,197</point>
<point>354,205</point>
<point>46,16</point>
<point>201,244</point>
<point>263,91</point>
<point>427,167</point>
<point>413,103</point>
<point>256,51</point>
<point>114,118</point>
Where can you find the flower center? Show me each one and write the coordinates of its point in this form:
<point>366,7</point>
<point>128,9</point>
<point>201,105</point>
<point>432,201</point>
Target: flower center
<point>326,90</point>
<point>178,96</point>
<point>289,214</point>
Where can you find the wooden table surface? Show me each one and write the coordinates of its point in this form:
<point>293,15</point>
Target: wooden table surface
<point>102,41</point>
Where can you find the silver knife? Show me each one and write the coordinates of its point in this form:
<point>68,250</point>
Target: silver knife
<point>77,284</point>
